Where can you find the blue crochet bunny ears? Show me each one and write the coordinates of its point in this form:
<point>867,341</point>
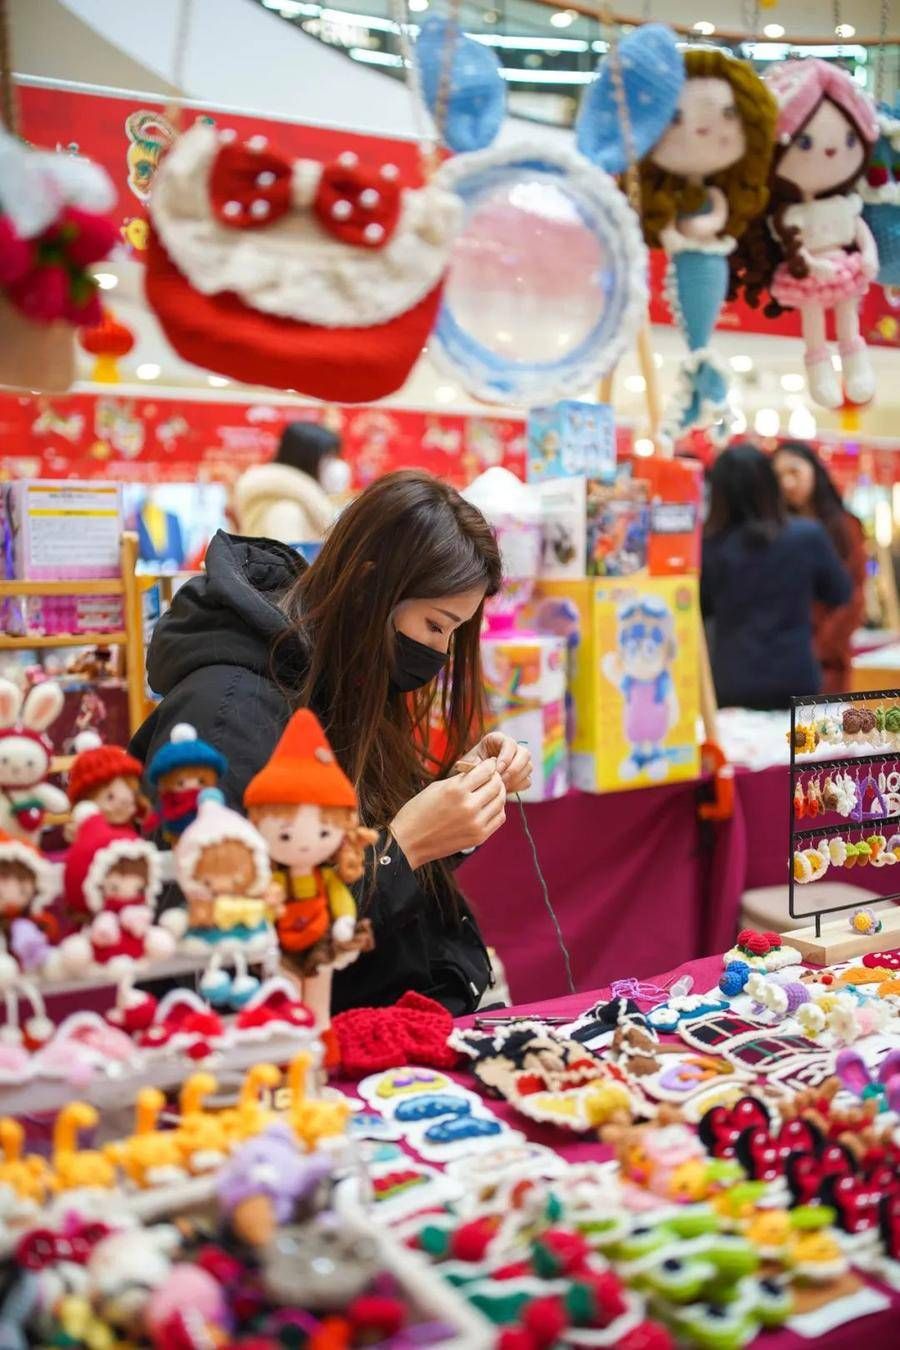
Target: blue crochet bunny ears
<point>652,75</point>
<point>476,94</point>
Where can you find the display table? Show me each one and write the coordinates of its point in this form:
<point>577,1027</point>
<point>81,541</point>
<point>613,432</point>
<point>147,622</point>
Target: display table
<point>879,1331</point>
<point>636,879</point>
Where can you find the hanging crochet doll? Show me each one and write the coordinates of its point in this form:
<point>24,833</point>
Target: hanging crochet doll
<point>222,866</point>
<point>178,773</point>
<point>814,252</point>
<point>702,182</point>
<point>305,808</point>
<point>111,778</point>
<point>29,882</point>
<point>112,880</point>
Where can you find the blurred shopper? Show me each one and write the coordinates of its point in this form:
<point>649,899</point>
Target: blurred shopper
<point>762,571</point>
<point>290,499</point>
<point>809,491</point>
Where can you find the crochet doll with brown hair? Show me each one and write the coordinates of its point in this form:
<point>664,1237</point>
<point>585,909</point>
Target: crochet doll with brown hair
<point>813,251</point>
<point>222,866</point>
<point>702,183</point>
<point>305,808</point>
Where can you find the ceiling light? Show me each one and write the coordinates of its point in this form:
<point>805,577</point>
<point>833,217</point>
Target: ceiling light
<point>547,76</point>
<point>375,58</point>
<point>704,27</point>
<point>644,447</point>
<point>635,383</point>
<point>884,525</point>
<point>217,381</point>
<point>741,365</point>
<point>530,44</point>
<point>767,422</point>
<point>658,360</point>
<point>738,422</point>
<point>490,16</point>
<point>563,18</point>
<point>445,393</point>
<point>107,281</point>
<point>148,370</point>
<point>801,423</point>
<point>845,30</point>
<point>773,30</point>
<point>792,383</point>
<point>418,6</point>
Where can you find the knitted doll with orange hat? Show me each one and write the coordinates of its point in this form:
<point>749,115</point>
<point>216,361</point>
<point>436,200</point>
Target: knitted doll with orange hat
<point>305,808</point>
<point>110,777</point>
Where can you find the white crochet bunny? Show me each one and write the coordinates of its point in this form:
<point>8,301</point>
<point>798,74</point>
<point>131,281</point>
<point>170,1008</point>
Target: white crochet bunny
<point>25,753</point>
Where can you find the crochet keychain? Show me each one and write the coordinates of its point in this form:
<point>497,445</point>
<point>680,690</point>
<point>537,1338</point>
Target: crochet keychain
<point>813,251</point>
<point>703,182</point>
<point>305,808</point>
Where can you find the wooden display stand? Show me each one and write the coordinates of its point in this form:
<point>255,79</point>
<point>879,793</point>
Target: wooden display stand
<point>131,638</point>
<point>835,942</point>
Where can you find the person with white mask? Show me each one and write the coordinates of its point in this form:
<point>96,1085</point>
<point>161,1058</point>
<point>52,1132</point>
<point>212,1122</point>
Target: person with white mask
<point>292,498</point>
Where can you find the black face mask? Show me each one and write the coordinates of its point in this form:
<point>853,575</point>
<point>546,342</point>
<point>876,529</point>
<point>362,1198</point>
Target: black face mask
<point>415,664</point>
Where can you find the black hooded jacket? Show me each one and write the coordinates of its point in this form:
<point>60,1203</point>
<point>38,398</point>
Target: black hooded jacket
<point>214,661</point>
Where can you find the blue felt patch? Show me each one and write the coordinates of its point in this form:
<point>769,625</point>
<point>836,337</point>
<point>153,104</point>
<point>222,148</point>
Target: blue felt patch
<point>432,1106</point>
<point>450,1130</point>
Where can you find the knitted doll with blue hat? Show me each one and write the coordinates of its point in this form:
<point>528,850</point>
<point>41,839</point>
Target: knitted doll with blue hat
<point>702,182</point>
<point>179,773</point>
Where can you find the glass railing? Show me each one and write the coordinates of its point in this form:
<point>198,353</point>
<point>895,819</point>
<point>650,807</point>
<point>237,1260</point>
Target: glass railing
<point>548,55</point>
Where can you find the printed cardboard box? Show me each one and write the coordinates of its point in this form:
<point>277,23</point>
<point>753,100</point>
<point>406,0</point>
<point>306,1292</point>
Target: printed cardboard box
<point>525,688</point>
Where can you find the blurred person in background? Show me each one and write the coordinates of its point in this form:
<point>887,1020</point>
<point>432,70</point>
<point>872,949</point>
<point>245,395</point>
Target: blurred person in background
<point>291,498</point>
<point>762,571</point>
<point>808,490</point>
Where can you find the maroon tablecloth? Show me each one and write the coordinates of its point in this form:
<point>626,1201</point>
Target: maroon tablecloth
<point>637,883</point>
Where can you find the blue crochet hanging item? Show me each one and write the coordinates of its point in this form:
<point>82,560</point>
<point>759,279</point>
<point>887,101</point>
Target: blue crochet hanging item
<point>881,194</point>
<point>476,100</point>
<point>696,286</point>
<point>652,75</point>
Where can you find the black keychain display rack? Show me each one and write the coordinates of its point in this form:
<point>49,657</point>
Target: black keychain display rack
<point>800,838</point>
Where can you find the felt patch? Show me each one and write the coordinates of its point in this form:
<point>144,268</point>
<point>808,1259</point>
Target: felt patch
<point>431,1106</point>
<point>508,1159</point>
<point>392,1191</point>
<point>370,1125</point>
<point>382,1089</point>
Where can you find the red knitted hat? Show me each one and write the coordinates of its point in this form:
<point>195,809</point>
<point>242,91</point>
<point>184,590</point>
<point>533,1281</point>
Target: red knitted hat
<point>96,848</point>
<point>97,764</point>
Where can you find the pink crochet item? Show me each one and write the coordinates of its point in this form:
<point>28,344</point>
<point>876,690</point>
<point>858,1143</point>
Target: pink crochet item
<point>413,1031</point>
<point>848,283</point>
<point>800,85</point>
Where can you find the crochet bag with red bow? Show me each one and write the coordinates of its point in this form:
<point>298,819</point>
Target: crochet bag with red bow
<point>319,278</point>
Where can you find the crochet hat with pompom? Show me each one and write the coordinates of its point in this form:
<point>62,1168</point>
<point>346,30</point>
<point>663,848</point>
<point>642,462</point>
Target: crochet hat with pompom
<point>185,751</point>
<point>95,849</point>
<point>302,769</point>
<point>45,873</point>
<point>215,824</point>
<point>97,764</point>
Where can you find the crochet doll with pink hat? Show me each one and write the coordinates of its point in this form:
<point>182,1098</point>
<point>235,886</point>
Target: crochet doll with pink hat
<point>813,252</point>
<point>222,867</point>
<point>113,881</point>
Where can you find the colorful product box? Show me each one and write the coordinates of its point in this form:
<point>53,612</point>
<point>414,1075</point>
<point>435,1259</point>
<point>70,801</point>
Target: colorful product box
<point>634,677</point>
<point>525,688</point>
<point>564,516</point>
<point>675,488</point>
<point>65,531</point>
<point>572,440</point>
<point>617,527</point>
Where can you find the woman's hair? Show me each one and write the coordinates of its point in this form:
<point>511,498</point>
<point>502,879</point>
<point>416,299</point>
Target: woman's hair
<point>827,504</point>
<point>665,195</point>
<point>304,445</point>
<point>407,537</point>
<point>769,240</point>
<point>744,495</point>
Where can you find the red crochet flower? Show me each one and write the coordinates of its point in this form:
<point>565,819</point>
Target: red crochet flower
<point>52,282</point>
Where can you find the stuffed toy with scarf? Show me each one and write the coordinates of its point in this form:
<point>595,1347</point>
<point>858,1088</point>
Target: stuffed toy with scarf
<point>813,251</point>
<point>702,182</point>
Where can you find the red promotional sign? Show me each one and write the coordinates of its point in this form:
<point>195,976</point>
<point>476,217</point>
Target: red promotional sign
<point>127,134</point>
<point>191,440</point>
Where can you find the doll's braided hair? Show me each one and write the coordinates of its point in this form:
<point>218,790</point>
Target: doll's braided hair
<point>666,195</point>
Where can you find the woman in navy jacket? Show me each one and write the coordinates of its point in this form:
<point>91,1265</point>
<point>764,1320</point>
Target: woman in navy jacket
<point>762,571</point>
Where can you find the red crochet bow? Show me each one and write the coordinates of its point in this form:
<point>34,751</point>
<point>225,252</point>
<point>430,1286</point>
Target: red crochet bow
<point>413,1031</point>
<point>251,187</point>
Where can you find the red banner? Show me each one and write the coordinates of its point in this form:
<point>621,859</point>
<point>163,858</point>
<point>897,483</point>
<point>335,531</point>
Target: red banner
<point>126,135</point>
<point>191,440</point>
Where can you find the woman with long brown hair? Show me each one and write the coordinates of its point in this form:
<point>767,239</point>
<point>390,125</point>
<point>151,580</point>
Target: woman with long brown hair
<point>393,600</point>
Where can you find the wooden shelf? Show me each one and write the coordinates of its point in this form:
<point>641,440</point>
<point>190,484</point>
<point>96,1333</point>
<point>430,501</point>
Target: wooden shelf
<point>27,641</point>
<point>16,590</point>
